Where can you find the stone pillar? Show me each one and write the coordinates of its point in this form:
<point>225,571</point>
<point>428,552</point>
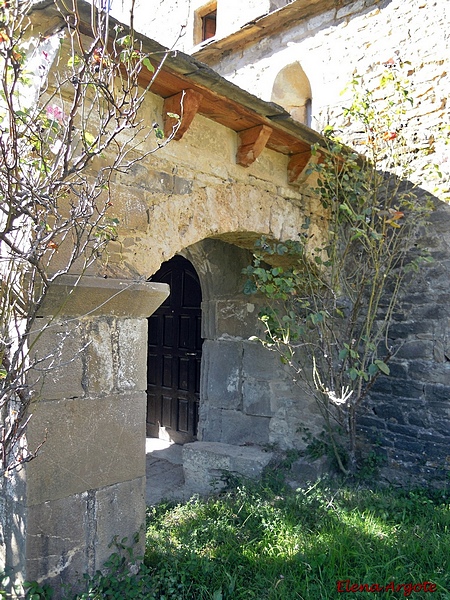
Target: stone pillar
<point>87,483</point>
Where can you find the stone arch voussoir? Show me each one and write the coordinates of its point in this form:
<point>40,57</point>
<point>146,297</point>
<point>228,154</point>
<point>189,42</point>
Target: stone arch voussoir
<point>238,214</point>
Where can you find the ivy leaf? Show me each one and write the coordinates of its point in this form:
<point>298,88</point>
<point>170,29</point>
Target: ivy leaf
<point>343,354</point>
<point>383,367</point>
<point>146,62</point>
<point>373,369</point>
<point>250,287</point>
<point>353,373</point>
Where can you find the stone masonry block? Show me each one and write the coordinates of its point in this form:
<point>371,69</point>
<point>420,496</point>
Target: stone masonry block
<point>239,428</point>
<point>257,397</point>
<point>13,524</point>
<point>157,181</point>
<point>236,317</point>
<point>132,344</point>
<point>205,462</point>
<point>223,370</point>
<point>438,393</point>
<point>131,209</point>
<point>390,411</point>
<point>90,443</point>
<point>56,540</point>
<point>416,349</point>
<point>181,185</point>
<point>429,372</point>
<point>291,418</point>
<point>120,511</point>
<point>57,350</point>
<point>259,362</point>
<point>99,358</point>
<point>99,296</point>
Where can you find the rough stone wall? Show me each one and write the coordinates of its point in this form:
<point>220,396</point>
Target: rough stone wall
<point>60,513</point>
<point>191,190</point>
<point>406,419</point>
<point>246,396</point>
<point>334,45</point>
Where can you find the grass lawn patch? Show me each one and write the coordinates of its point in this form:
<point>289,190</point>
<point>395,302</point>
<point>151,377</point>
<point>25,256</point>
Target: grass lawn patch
<point>256,542</point>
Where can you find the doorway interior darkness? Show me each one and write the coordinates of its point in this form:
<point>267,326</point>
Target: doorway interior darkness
<point>174,355</point>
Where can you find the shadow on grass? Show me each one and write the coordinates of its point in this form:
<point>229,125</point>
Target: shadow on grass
<point>255,543</point>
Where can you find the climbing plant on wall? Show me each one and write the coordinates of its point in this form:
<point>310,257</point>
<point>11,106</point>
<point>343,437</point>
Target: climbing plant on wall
<point>71,96</point>
<point>333,291</point>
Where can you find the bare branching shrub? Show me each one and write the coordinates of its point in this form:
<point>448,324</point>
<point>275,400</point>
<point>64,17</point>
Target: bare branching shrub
<point>70,102</point>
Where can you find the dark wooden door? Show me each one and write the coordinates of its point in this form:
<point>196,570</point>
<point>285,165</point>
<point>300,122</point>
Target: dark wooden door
<point>174,355</point>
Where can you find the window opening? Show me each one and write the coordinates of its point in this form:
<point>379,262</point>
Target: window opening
<point>209,25</point>
<point>205,22</point>
<point>308,112</point>
<point>292,90</point>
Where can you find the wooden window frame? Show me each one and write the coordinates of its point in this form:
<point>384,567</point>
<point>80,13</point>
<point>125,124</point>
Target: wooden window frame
<point>199,23</point>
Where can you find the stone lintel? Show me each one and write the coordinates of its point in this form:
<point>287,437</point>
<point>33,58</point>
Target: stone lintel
<point>185,105</point>
<point>251,143</point>
<point>91,296</point>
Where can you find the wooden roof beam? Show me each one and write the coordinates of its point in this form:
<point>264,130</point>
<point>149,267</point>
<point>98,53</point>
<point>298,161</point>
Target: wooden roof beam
<point>251,143</point>
<point>185,104</point>
<point>297,167</point>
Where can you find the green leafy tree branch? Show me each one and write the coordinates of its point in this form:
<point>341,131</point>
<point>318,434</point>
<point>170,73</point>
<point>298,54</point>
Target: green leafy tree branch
<point>332,296</point>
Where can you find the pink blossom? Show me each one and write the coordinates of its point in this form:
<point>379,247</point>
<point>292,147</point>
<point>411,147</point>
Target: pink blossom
<point>55,113</point>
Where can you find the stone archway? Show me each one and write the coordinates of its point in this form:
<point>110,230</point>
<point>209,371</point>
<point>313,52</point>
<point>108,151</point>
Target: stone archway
<point>246,395</point>
<point>248,401</point>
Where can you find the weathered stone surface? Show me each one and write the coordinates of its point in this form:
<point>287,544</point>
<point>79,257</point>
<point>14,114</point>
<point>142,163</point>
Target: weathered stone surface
<point>205,463</point>
<point>90,442</point>
<point>100,357</point>
<point>58,358</point>
<point>132,360</point>
<point>235,316</point>
<point>70,536</point>
<point>257,397</point>
<point>234,427</point>
<point>13,524</point>
<point>93,296</point>
<point>120,511</point>
<point>416,349</point>
<point>223,370</point>
<point>391,412</point>
<point>57,531</point>
<point>259,362</point>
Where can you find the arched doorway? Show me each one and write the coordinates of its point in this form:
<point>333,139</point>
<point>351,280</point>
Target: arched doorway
<point>174,355</point>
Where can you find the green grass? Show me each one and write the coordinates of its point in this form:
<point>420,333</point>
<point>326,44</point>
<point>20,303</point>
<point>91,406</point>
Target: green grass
<point>267,542</point>
<point>255,542</point>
